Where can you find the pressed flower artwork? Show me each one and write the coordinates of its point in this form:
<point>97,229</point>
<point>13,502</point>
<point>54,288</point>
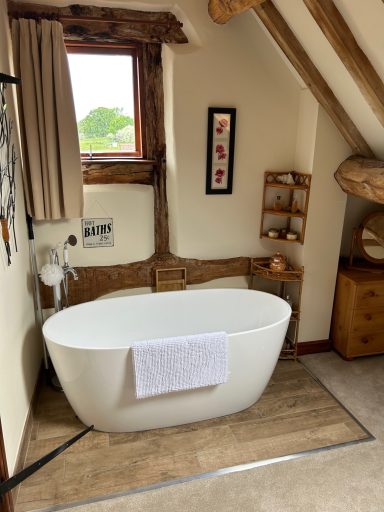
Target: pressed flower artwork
<point>222,124</point>
<point>220,150</point>
<point>219,177</point>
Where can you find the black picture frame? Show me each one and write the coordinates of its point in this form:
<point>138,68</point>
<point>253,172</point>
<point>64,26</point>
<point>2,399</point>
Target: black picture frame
<point>220,150</point>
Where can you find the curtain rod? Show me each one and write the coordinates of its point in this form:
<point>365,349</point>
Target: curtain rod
<point>68,17</point>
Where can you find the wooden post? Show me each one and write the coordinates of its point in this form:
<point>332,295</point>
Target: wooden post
<point>155,137</point>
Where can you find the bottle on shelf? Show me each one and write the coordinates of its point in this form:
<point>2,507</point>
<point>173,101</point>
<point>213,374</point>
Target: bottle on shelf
<point>294,205</point>
<point>278,204</point>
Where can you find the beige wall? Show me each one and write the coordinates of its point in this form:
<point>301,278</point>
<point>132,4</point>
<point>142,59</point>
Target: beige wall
<point>320,253</point>
<point>229,66</point>
<point>20,349</point>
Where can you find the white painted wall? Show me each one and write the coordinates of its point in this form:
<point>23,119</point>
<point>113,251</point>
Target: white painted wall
<point>229,66</point>
<point>323,233</point>
<point>20,349</point>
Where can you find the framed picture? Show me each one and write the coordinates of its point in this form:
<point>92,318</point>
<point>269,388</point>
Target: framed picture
<point>220,150</point>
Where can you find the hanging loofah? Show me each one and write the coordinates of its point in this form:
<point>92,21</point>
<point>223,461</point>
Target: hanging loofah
<point>51,274</point>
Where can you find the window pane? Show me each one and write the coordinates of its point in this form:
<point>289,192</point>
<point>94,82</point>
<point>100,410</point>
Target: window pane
<point>104,102</point>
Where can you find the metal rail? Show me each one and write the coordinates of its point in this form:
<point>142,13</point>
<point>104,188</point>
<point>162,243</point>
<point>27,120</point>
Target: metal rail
<point>9,484</point>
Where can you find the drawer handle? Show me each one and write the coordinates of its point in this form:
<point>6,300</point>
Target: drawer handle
<point>371,293</point>
<point>368,316</point>
<point>364,340</point>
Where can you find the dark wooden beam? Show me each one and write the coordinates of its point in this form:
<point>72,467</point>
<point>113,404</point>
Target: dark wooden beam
<point>339,35</point>
<point>109,171</point>
<point>362,177</point>
<point>289,44</point>
<point>89,23</point>
<point>94,282</point>
<point>221,11</point>
<point>155,137</point>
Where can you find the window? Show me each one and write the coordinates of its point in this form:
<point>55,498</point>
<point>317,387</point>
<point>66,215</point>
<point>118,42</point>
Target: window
<point>105,81</point>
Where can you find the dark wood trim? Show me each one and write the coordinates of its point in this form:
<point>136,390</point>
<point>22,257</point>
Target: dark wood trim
<point>6,502</point>
<point>95,281</point>
<point>132,50</point>
<point>155,140</point>
<point>313,347</point>
<point>294,51</point>
<point>119,171</point>
<point>91,23</point>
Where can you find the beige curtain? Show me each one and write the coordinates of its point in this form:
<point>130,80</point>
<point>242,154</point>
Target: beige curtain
<point>51,155</point>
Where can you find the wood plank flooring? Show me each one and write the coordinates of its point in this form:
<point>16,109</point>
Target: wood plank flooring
<point>294,414</point>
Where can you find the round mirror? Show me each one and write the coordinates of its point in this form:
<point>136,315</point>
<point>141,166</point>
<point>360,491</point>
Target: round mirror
<point>370,237</point>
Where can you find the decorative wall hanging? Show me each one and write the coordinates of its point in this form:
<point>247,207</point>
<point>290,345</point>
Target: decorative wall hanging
<point>97,232</point>
<point>220,150</point>
<point>7,170</point>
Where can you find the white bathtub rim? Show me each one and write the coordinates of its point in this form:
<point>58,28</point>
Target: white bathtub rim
<point>194,292</point>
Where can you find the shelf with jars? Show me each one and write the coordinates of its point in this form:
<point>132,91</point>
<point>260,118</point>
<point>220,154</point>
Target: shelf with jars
<point>285,206</point>
<point>276,275</point>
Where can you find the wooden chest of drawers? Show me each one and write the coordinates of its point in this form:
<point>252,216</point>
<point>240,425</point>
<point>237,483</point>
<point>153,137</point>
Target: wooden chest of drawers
<point>358,314</point>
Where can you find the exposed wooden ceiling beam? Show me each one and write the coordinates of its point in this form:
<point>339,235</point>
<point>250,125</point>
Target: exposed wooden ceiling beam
<point>300,60</point>
<point>89,23</point>
<point>336,30</point>
<point>222,11</point>
<point>362,177</point>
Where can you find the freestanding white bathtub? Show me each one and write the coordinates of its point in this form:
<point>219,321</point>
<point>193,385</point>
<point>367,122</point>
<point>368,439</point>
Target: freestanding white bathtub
<point>89,345</point>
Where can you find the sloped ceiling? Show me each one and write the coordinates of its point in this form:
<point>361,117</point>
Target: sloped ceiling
<point>365,19</point>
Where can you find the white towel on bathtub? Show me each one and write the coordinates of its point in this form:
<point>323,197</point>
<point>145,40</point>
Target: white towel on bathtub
<point>184,362</point>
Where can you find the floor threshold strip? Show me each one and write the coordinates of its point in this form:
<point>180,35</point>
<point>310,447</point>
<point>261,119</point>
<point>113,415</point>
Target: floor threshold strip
<point>219,472</point>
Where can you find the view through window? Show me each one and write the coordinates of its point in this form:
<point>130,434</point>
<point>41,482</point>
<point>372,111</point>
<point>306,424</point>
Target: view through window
<point>105,89</point>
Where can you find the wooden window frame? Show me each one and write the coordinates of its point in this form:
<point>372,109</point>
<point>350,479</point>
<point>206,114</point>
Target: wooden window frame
<point>135,51</point>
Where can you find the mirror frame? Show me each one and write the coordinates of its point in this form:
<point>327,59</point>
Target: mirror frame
<point>359,238</point>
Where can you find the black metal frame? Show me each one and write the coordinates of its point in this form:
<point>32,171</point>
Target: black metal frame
<point>231,148</point>
<point>9,484</point>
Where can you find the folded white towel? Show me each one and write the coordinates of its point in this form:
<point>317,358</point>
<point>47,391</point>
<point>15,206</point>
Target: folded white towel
<point>184,362</point>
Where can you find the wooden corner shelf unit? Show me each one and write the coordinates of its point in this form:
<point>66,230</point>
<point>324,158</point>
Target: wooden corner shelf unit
<point>288,217</point>
<point>289,280</point>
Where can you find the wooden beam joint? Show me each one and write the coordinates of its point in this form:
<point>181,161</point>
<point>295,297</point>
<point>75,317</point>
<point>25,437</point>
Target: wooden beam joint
<point>221,11</point>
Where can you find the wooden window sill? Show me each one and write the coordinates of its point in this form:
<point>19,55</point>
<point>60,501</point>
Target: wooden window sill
<point>110,170</point>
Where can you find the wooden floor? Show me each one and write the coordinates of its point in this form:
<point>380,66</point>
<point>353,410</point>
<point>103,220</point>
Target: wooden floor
<point>294,414</point>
